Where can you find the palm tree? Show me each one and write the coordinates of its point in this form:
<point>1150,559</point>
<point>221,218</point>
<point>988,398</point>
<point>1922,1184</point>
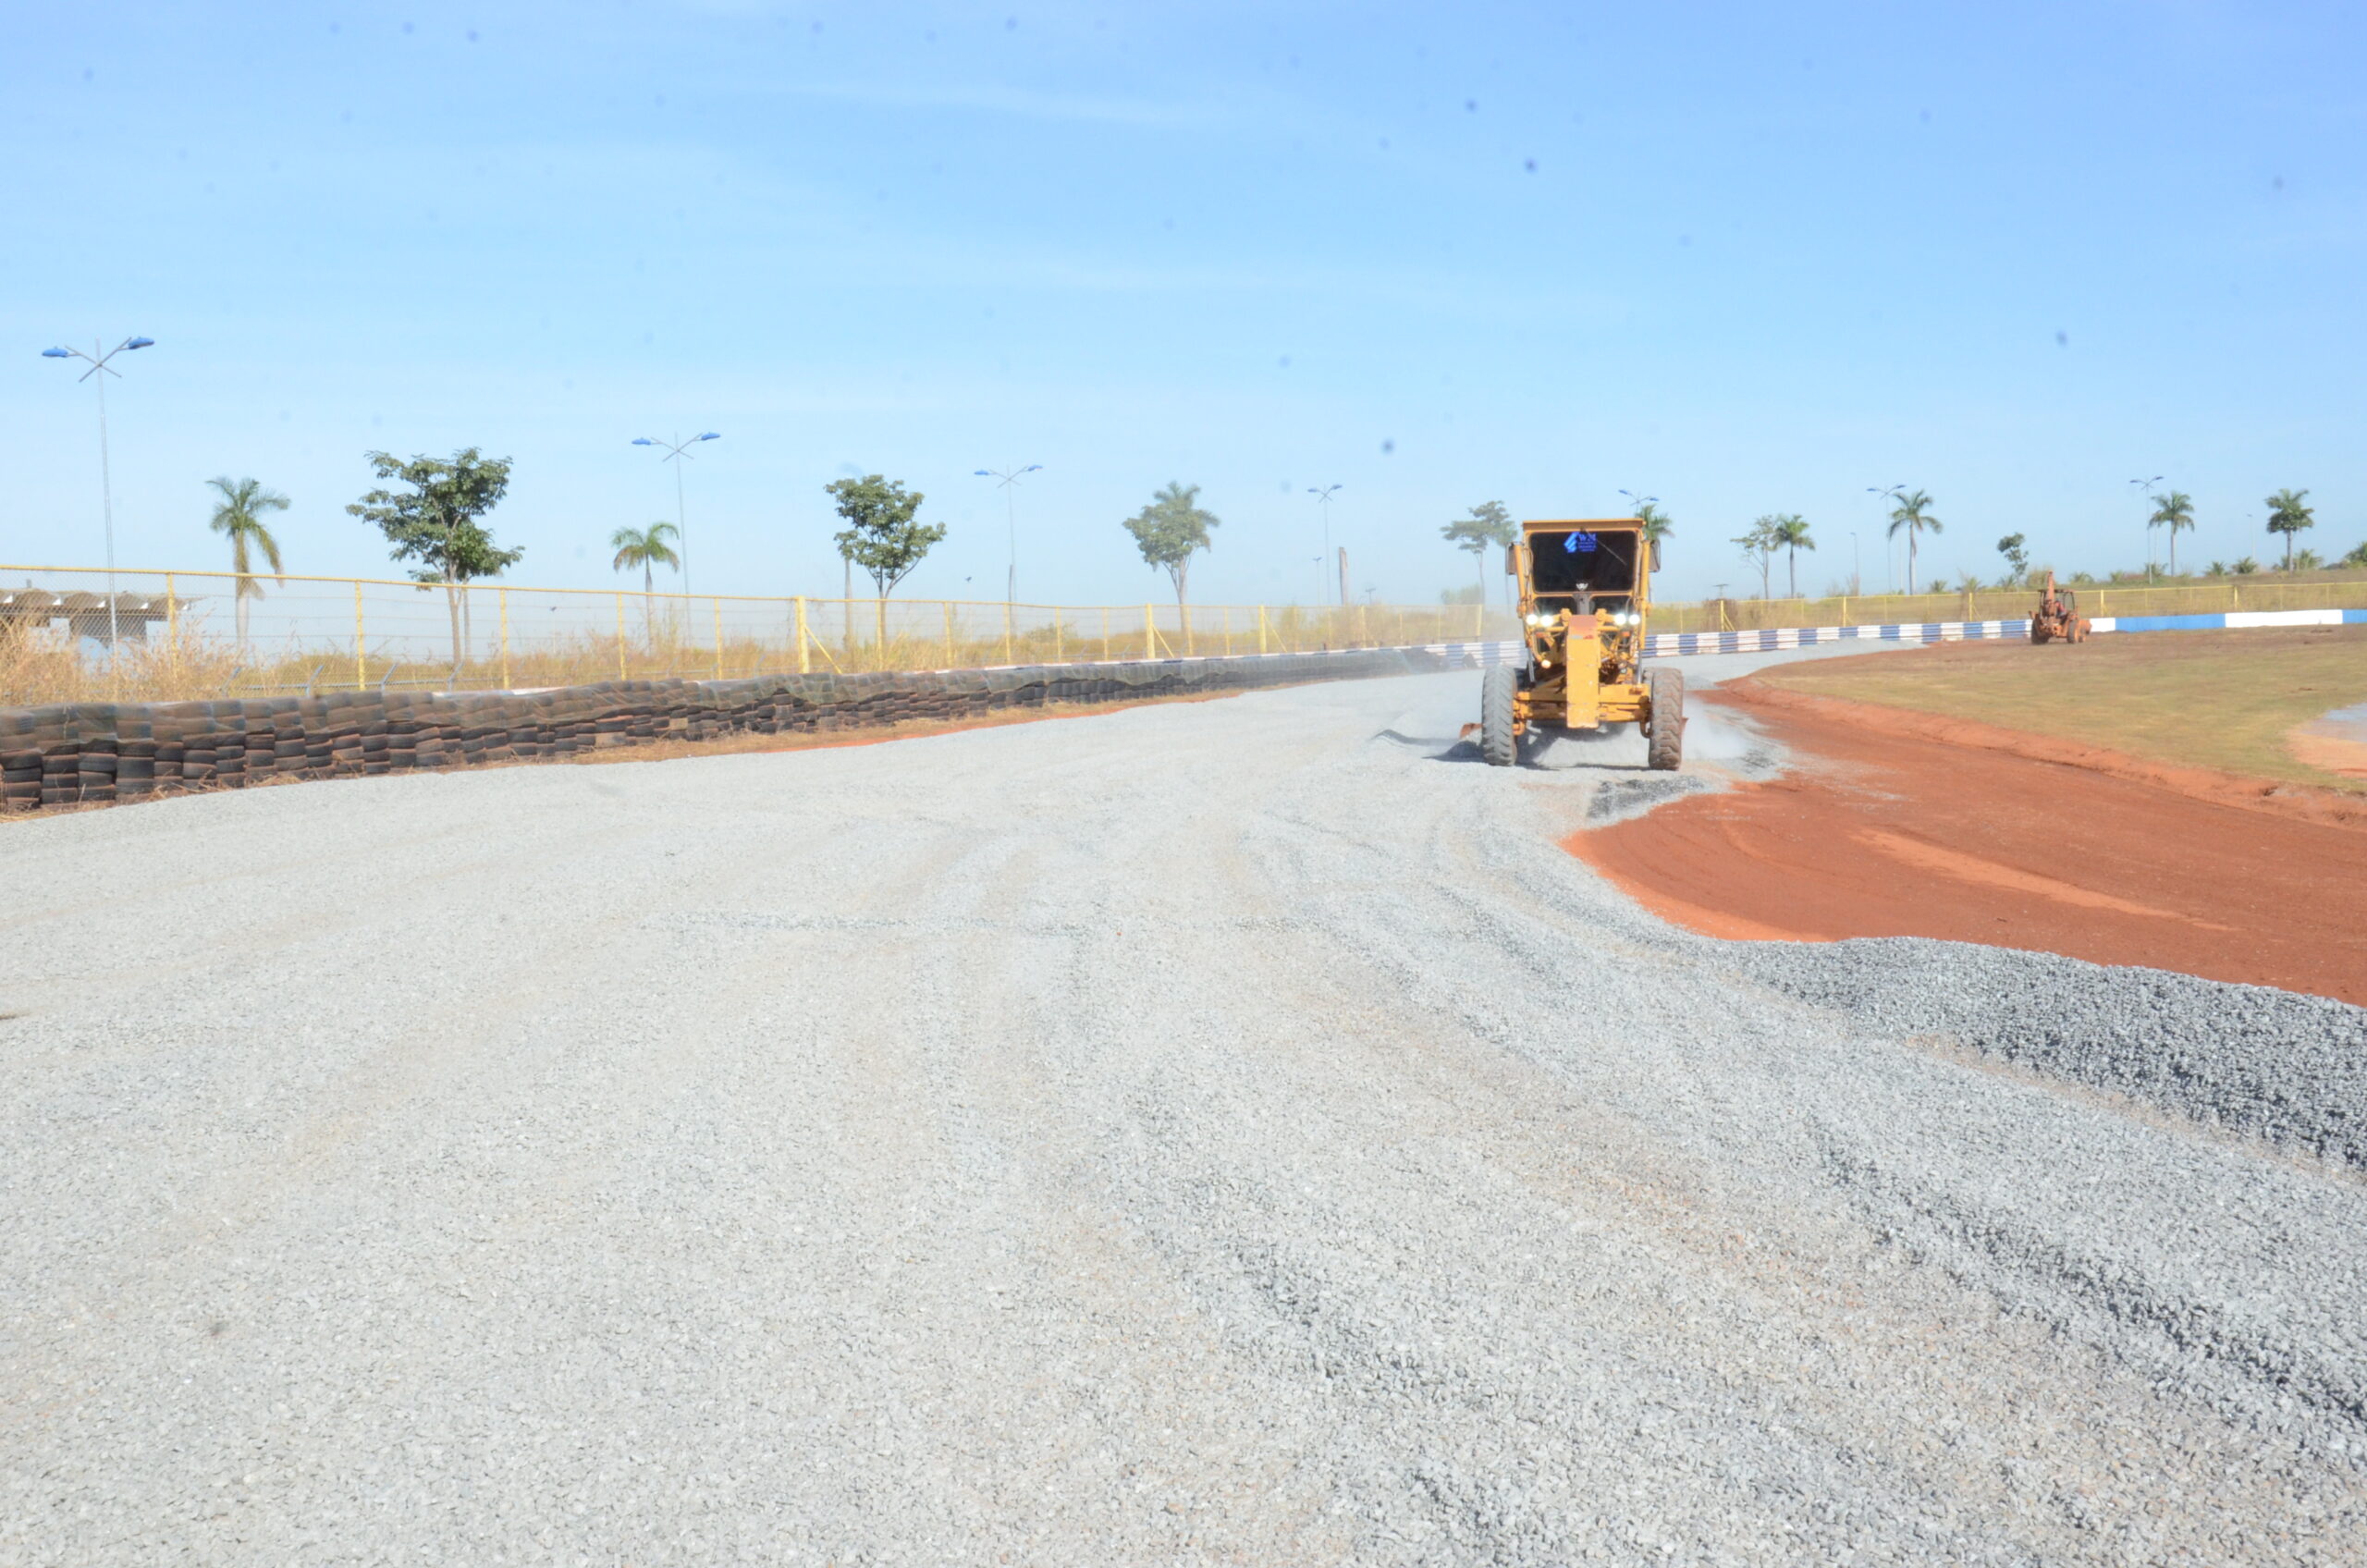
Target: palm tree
<point>1791,534</point>
<point>240,515</point>
<point>645,547</point>
<point>1913,514</point>
<point>2173,511</point>
<point>1657,527</point>
<point>2287,516</point>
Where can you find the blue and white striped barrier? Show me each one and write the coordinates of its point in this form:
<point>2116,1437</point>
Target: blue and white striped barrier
<point>1668,644</point>
<point>1479,655</point>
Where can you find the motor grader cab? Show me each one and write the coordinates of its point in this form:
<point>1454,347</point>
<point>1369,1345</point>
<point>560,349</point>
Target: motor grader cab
<point>1585,590</point>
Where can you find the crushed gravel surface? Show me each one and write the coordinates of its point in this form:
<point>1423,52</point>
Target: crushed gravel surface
<point>1210,1132</point>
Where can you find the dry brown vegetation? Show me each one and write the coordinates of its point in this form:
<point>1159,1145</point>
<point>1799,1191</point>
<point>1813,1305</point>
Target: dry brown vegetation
<point>2222,700</point>
<point>41,664</point>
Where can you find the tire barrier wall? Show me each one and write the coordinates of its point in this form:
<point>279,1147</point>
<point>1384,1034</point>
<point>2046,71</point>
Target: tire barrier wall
<point>82,753</point>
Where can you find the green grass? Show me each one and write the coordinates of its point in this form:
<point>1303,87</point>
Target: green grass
<point>2221,700</point>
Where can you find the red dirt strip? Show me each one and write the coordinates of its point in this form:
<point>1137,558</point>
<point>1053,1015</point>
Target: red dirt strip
<point>1884,834</point>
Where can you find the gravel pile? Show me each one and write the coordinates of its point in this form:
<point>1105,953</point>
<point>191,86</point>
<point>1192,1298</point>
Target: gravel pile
<point>2290,1069</point>
<point>1210,1132</point>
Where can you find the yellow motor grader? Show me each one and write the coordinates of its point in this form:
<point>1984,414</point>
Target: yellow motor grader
<point>1584,589</point>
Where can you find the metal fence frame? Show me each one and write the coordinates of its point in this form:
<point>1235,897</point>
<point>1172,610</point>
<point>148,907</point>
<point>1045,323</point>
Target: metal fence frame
<point>338,639</point>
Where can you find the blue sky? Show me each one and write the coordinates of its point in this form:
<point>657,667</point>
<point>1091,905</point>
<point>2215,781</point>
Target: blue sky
<point>1745,260</point>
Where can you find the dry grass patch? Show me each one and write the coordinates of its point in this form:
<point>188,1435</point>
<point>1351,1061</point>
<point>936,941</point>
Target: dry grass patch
<point>2222,700</point>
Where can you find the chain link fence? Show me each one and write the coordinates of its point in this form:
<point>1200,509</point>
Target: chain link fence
<point>86,635</point>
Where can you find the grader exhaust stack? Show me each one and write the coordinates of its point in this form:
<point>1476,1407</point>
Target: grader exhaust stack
<point>1585,591</point>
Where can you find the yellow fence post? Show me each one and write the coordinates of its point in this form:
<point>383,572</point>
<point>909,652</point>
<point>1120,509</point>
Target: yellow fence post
<point>1261,629</point>
<point>504,594</point>
<point>717,603</point>
<point>1105,634</point>
<point>805,652</point>
<point>620,636</point>
<point>1150,635</point>
<point>1007,656</point>
<point>172,627</point>
<point>951,658</point>
<point>1059,646</point>
<point>361,646</point>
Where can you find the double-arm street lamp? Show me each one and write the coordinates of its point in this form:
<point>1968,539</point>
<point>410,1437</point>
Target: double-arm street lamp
<point>100,370</point>
<point>2147,486</point>
<point>1324,496</point>
<point>1007,481</point>
<point>1890,569</point>
<point>677,453</point>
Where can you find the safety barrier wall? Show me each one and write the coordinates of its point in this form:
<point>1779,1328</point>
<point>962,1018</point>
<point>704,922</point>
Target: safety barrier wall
<point>2317,591</point>
<point>80,752</point>
<point>1671,644</point>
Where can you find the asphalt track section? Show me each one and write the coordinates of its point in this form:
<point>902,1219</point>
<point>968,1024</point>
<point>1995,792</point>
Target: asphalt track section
<point>1216,1132</point>
<point>1870,834</point>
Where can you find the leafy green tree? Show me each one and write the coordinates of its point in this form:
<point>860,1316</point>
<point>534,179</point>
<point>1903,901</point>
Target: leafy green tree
<point>1913,514</point>
<point>2174,511</point>
<point>882,536</point>
<point>1790,532</point>
<point>645,548</point>
<point>2287,516</point>
<point>2246,566</point>
<point>2358,556</point>
<point>1759,540</point>
<point>1170,529</point>
<point>1657,527</point>
<point>1488,525</point>
<point>2306,560</point>
<point>2018,560</point>
<point>239,515</point>
<point>434,520</point>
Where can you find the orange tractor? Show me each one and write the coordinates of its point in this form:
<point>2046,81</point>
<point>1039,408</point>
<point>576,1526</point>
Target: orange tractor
<point>2058,618</point>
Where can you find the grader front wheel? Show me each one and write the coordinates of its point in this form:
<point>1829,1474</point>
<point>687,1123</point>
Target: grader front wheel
<point>1498,747</point>
<point>1667,749</point>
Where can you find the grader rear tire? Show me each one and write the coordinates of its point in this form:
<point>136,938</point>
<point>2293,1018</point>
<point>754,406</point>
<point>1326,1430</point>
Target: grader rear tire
<point>1667,750</point>
<point>1498,747</point>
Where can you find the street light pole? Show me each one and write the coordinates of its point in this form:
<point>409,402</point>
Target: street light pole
<point>677,452</point>
<point>2147,485</point>
<point>98,358</point>
<point>1324,496</point>
<point>1008,482</point>
<point>1890,573</point>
